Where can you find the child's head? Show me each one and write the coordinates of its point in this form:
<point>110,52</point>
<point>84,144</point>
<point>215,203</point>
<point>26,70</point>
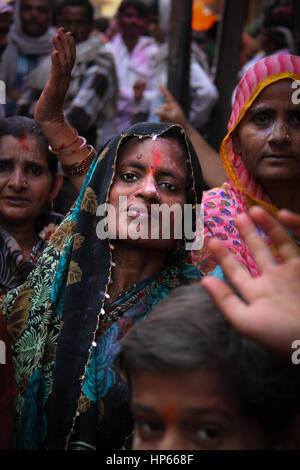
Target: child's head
<point>197,384</point>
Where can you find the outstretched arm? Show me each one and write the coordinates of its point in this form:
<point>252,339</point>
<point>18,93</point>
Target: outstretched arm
<point>213,171</point>
<point>269,311</point>
<point>49,109</point>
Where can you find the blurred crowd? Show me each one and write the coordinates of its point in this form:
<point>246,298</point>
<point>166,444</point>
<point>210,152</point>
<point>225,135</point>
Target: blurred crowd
<point>120,62</point>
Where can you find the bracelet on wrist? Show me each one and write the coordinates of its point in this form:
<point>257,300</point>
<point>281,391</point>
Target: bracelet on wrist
<point>62,153</point>
<point>80,168</point>
<point>57,150</point>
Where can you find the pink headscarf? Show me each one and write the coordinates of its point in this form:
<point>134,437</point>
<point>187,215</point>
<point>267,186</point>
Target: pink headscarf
<point>263,73</point>
<point>222,205</point>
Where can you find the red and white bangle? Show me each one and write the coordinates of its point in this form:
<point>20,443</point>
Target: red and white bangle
<point>60,148</point>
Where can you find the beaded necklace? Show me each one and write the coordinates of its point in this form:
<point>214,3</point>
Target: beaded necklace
<point>115,311</point>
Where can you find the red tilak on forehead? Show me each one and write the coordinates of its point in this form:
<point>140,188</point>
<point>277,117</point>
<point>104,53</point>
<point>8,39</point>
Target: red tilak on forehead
<point>156,157</point>
<point>170,413</point>
<point>23,142</point>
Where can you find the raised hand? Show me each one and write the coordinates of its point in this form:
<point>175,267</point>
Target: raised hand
<point>170,111</point>
<point>139,88</point>
<point>269,311</point>
<point>49,108</point>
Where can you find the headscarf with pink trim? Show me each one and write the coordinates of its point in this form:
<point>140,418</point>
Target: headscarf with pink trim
<point>222,205</point>
<point>263,73</point>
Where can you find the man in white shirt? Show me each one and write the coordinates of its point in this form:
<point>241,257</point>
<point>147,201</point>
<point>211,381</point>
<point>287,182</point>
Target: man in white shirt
<point>135,58</point>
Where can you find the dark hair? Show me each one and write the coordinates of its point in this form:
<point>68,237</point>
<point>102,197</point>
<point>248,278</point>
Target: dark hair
<point>139,5</point>
<point>18,126</point>
<point>77,3</point>
<point>186,332</point>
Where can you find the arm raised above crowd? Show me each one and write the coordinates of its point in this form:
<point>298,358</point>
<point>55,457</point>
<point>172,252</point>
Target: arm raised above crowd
<point>268,310</point>
<point>49,111</point>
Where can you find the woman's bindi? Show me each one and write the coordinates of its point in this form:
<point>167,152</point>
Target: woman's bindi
<point>139,156</point>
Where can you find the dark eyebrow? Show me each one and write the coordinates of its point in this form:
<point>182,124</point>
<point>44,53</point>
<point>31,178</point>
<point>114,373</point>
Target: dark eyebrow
<point>258,108</point>
<point>139,166</point>
<point>133,164</point>
<point>196,412</point>
<point>31,162</point>
<point>27,162</point>
<point>144,409</point>
<point>209,411</point>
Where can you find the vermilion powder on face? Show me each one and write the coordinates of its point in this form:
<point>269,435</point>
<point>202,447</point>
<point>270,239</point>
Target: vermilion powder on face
<point>23,142</point>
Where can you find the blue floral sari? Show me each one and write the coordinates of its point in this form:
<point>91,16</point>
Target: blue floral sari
<point>65,334</point>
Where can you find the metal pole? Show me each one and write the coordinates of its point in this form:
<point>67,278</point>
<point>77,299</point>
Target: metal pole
<point>227,64</point>
<point>296,15</point>
<point>179,51</point>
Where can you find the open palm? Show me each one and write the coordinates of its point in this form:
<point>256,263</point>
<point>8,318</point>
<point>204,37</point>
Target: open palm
<point>268,310</point>
<point>49,108</point>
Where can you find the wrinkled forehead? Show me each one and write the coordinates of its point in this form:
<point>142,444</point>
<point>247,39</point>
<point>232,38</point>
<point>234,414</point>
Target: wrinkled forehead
<point>27,147</point>
<point>23,139</point>
<point>277,91</point>
<point>281,87</point>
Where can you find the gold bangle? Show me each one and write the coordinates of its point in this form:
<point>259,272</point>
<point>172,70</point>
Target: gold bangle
<point>80,168</point>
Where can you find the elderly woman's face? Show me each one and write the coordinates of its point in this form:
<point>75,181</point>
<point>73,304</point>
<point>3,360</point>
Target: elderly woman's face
<point>25,179</point>
<point>268,137</point>
<point>149,173</point>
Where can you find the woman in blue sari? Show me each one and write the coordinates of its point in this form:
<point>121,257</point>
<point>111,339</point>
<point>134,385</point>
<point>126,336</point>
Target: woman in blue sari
<point>87,290</point>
